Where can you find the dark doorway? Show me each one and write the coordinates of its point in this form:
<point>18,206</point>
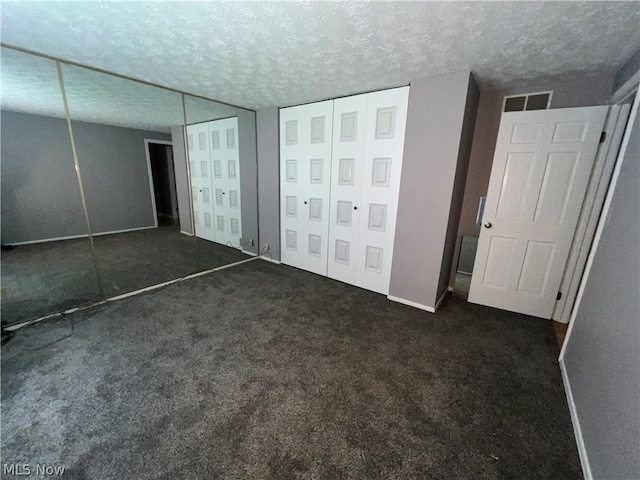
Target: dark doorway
<point>164,183</point>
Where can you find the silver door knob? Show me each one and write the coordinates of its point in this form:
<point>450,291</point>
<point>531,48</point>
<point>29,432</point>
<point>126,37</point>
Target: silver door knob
<point>488,225</point>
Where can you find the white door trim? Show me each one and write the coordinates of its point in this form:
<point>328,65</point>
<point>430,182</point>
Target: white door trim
<point>587,222</point>
<point>577,430</point>
<point>147,141</point>
<point>601,223</point>
<point>627,89</point>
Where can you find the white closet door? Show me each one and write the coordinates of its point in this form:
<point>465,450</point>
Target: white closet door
<point>225,176</point>
<point>349,124</point>
<point>201,187</point>
<point>305,168</point>
<point>384,146</point>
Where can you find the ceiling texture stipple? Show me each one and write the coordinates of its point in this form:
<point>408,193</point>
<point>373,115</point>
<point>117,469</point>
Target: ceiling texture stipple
<point>257,54</point>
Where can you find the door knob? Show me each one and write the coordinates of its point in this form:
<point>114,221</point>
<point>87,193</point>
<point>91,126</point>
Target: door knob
<point>355,208</point>
<point>201,190</point>
<point>305,202</point>
<point>488,225</point>
<point>223,193</point>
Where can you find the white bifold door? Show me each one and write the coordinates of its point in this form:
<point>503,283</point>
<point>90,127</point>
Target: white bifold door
<point>541,168</point>
<point>368,143</point>
<point>201,186</point>
<point>225,178</point>
<point>215,180</point>
<point>339,189</point>
<point>305,170</point>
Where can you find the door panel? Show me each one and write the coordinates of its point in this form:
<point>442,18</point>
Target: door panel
<point>306,134</point>
<point>540,172</point>
<point>226,180</point>
<point>349,125</point>
<point>201,186</point>
<point>384,145</point>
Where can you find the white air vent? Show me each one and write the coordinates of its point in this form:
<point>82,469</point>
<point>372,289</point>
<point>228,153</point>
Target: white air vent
<point>527,101</point>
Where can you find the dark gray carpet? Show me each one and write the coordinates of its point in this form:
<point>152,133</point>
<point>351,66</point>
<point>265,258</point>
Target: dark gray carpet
<point>48,277</point>
<point>264,371</point>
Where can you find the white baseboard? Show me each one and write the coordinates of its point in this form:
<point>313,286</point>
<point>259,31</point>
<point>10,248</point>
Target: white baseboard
<point>188,234</point>
<point>411,304</point>
<point>84,235</point>
<point>124,231</point>
<point>441,299</point>
<point>249,253</point>
<point>270,260</point>
<point>582,451</point>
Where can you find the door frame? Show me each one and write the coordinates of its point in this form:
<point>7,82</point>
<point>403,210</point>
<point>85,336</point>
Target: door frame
<point>147,141</point>
<point>591,207</point>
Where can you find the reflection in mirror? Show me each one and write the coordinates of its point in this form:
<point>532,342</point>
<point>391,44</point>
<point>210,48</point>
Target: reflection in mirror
<point>123,136</point>
<point>47,264</point>
<point>223,184</point>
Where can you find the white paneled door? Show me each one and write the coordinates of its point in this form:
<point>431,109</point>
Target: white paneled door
<point>225,177</point>
<point>368,143</point>
<point>540,172</point>
<point>215,180</point>
<point>201,185</point>
<point>305,169</point>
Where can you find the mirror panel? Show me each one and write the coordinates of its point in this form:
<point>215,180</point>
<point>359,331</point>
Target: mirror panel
<point>223,181</point>
<point>123,136</point>
<point>47,264</point>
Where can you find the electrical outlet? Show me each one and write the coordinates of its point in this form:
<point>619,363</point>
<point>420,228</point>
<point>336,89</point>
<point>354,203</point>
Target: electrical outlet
<point>266,246</point>
<point>252,242</point>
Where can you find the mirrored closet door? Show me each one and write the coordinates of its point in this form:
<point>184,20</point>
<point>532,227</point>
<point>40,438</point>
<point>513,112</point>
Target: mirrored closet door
<point>222,166</point>
<point>122,131</point>
<point>47,263</point>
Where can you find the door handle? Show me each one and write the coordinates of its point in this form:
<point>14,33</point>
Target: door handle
<point>488,225</point>
<point>305,202</point>
<point>355,208</point>
<point>200,190</point>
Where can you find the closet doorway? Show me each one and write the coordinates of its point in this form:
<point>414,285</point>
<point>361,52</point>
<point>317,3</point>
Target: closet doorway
<point>162,182</point>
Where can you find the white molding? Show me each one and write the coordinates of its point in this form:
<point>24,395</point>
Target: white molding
<point>123,231</point>
<point>73,237</point>
<point>248,252</point>
<point>128,294</point>
<point>626,89</point>
<point>152,192</point>
<point>186,233</point>
<point>411,304</point>
<point>270,260</point>
<point>441,299</point>
<point>577,431</point>
<point>601,223</point>
<point>591,207</point>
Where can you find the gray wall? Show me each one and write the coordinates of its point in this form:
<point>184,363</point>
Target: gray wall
<point>40,194</point>
<point>248,178</point>
<point>627,71</point>
<point>115,175</point>
<point>269,179</point>
<point>576,92</point>
<point>431,152</point>
<point>182,185</point>
<point>468,126</point>
<point>602,355</point>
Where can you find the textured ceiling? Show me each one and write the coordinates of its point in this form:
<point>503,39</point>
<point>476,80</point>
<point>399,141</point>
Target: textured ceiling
<point>259,54</point>
<point>30,84</point>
